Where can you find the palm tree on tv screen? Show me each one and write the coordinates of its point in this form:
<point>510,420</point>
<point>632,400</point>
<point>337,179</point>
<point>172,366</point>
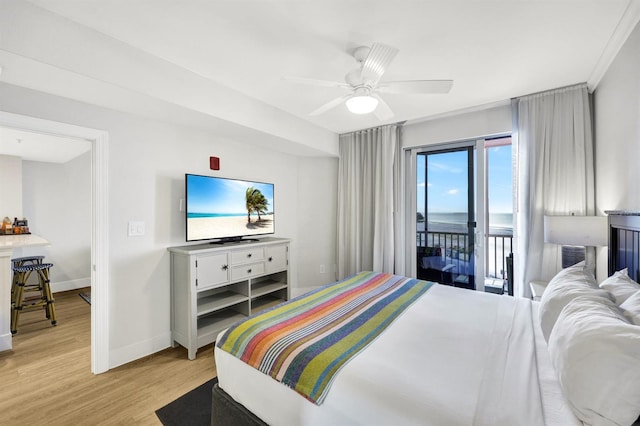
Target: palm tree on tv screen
<point>255,201</point>
<point>260,205</point>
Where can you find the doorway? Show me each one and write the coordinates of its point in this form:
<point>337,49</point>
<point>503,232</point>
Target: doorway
<point>99,224</point>
<point>445,218</point>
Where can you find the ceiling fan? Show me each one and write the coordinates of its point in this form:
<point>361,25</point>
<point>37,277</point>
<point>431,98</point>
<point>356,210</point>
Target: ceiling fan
<point>364,83</point>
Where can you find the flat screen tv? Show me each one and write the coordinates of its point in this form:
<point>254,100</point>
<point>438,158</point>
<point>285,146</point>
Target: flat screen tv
<point>221,209</point>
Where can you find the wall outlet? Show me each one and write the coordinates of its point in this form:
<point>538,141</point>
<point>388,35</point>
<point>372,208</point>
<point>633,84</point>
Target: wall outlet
<point>322,269</point>
<point>136,229</point>
<point>181,207</point>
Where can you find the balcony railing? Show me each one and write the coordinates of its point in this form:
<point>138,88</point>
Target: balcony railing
<point>497,248</point>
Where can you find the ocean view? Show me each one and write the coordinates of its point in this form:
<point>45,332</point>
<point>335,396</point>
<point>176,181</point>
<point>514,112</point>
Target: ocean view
<point>500,223</point>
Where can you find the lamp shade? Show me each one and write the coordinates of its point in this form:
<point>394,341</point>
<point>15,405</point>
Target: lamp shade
<point>590,231</point>
<point>362,104</point>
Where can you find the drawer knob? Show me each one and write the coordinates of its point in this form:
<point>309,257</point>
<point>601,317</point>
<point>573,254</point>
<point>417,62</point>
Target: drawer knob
<point>248,271</point>
<point>249,255</point>
<point>270,258</point>
<point>225,267</point>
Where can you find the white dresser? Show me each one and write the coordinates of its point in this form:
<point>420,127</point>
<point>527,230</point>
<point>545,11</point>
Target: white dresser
<point>213,286</point>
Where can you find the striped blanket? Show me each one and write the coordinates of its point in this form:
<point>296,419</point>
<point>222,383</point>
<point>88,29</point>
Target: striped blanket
<point>303,343</point>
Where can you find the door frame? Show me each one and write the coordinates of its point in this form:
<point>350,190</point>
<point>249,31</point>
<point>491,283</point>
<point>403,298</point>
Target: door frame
<point>477,147</point>
<point>99,141</point>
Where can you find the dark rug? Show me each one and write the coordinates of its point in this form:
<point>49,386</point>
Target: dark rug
<point>191,409</point>
<point>86,297</point>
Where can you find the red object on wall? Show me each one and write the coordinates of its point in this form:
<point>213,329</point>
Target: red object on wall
<point>214,163</point>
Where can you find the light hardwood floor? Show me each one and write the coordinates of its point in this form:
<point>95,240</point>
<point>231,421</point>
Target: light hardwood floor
<point>47,379</point>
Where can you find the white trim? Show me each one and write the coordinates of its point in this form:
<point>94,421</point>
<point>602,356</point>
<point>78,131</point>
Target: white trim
<point>5,342</point>
<point>140,349</point>
<point>5,291</point>
<point>99,217</point>
<point>481,178</point>
<point>57,287</point>
<point>623,30</point>
<point>295,292</point>
<point>100,256</point>
<point>458,112</point>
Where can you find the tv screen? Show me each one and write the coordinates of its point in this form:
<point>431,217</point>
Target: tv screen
<point>227,209</point>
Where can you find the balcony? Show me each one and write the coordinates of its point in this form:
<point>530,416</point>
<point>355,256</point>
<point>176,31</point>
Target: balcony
<point>447,257</point>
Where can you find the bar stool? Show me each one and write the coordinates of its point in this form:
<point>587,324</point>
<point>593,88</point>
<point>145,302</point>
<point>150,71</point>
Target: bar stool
<point>20,261</point>
<point>44,299</point>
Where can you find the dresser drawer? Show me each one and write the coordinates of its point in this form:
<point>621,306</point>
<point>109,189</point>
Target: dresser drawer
<point>248,255</point>
<point>247,271</point>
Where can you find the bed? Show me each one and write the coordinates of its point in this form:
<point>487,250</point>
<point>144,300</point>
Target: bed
<point>459,357</point>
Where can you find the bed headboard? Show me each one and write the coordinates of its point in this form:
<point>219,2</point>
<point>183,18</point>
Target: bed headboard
<point>624,242</point>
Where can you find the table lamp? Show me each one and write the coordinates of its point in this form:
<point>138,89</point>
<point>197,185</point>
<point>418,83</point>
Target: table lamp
<point>574,233</point>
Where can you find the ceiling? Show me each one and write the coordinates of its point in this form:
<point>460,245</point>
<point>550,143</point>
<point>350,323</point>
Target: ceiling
<point>32,146</point>
<point>494,50</point>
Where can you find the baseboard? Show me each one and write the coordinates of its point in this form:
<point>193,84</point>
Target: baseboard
<point>118,357</point>
<point>59,286</point>
<point>299,291</point>
<point>5,342</point>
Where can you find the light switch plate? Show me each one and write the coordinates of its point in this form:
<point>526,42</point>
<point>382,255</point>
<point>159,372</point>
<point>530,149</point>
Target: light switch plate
<point>136,228</point>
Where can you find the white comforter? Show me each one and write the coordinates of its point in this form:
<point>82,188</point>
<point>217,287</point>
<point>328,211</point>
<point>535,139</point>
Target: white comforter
<point>456,357</point>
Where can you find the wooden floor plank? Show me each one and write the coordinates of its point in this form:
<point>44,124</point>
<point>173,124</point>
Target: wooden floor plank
<point>46,378</point>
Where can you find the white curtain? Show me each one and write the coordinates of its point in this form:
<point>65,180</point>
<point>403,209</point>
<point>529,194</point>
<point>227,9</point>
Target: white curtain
<point>368,199</point>
<point>555,174</point>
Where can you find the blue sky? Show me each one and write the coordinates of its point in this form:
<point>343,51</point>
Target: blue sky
<point>217,195</point>
<point>447,181</point>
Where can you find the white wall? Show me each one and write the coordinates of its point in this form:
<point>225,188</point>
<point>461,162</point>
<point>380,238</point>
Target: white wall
<point>57,203</point>
<point>10,190</point>
<point>617,135</point>
<point>617,130</point>
<point>317,222</point>
<point>147,162</point>
<point>492,120</point>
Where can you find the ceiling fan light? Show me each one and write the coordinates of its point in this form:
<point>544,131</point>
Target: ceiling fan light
<point>363,104</point>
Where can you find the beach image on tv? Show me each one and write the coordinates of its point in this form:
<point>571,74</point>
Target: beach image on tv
<point>226,208</point>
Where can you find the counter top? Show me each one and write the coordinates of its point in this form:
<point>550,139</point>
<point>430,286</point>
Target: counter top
<point>21,240</point>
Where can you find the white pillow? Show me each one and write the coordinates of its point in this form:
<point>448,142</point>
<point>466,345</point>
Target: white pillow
<point>620,285</point>
<point>631,308</point>
<point>569,283</point>
<point>596,353</point>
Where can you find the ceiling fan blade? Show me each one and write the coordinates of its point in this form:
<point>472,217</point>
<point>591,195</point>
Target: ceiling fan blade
<point>382,111</point>
<point>329,105</point>
<point>379,57</point>
<point>409,87</point>
<point>316,82</point>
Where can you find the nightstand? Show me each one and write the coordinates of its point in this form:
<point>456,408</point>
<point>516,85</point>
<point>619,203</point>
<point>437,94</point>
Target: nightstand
<point>537,288</point>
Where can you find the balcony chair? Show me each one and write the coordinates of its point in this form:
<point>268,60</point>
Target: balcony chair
<point>432,266</point>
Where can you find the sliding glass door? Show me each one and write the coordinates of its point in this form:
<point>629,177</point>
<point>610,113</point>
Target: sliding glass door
<point>460,212</point>
<point>445,216</point>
